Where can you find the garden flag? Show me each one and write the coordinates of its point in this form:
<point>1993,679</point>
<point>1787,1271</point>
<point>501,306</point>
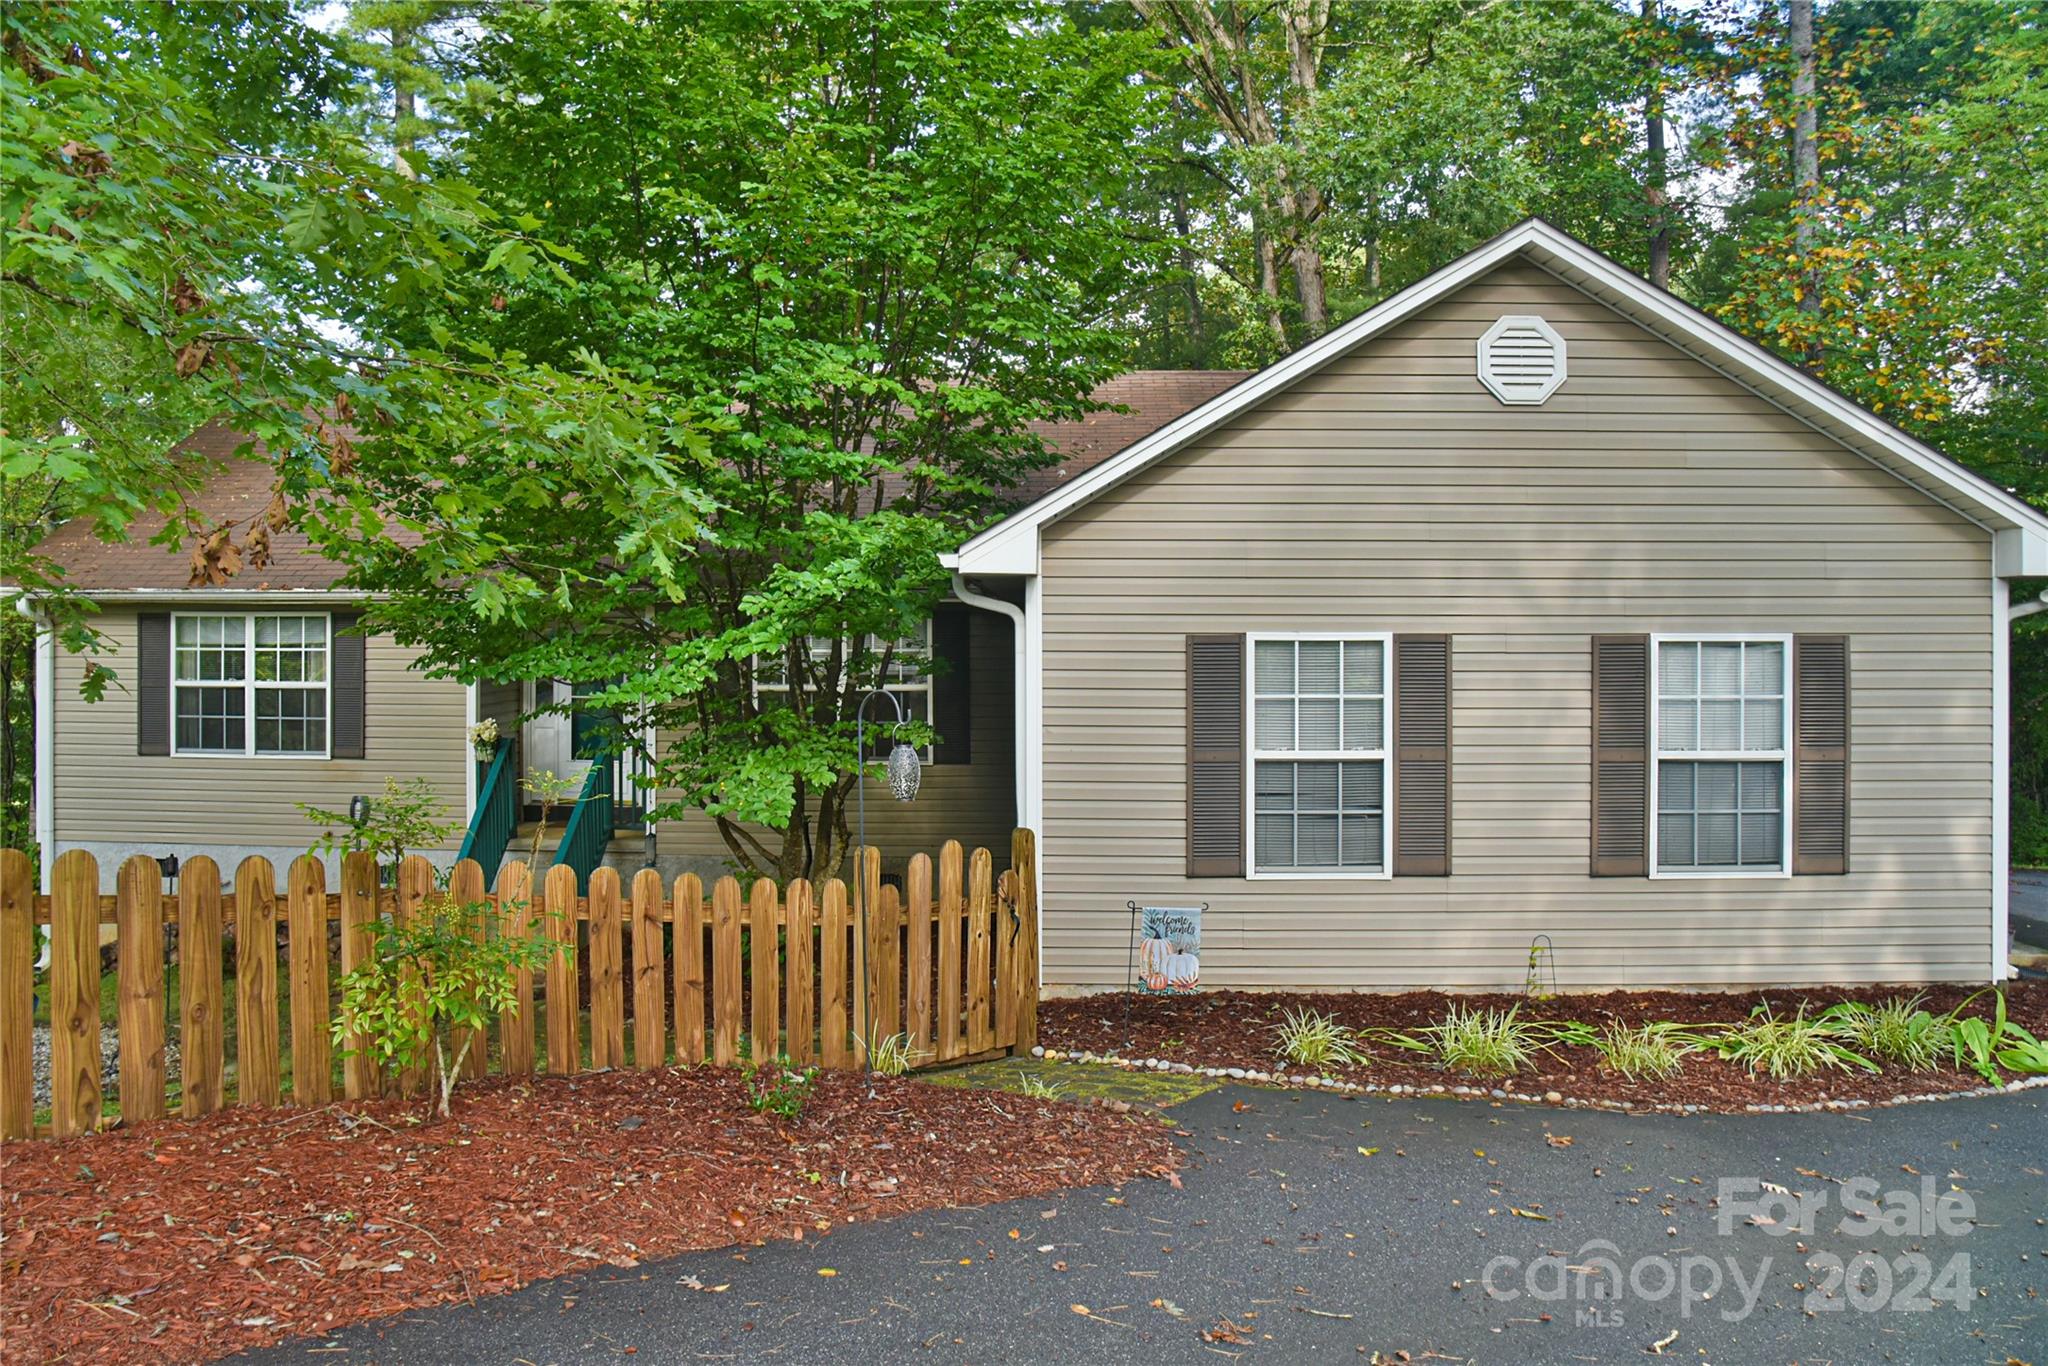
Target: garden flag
<point>1170,948</point>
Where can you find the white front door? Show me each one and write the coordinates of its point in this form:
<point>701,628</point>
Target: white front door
<point>548,738</point>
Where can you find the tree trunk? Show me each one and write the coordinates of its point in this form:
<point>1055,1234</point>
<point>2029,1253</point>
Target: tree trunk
<point>1269,287</point>
<point>1656,171</point>
<point>1805,160</point>
<point>1198,344</point>
<point>404,101</point>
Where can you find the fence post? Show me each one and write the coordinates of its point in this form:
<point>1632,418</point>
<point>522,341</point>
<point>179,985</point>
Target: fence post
<point>466,888</point>
<point>607,972</point>
<point>1003,950</point>
<point>917,933</point>
<point>312,1042</point>
<point>1024,862</point>
<point>725,972</point>
<point>564,1051</point>
<point>868,868</point>
<point>650,1048</point>
<point>139,965</point>
<point>800,1023</point>
<point>832,1024</point>
<point>689,937</point>
<point>980,904</point>
<point>415,890</point>
<point>74,994</point>
<point>256,1063</point>
<point>950,977</point>
<point>888,964</point>
<point>515,1026</point>
<point>360,880</point>
<point>202,1010</point>
<point>17,993</point>
<point>766,983</point>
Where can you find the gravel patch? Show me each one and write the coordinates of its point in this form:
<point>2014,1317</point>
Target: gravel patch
<point>110,1062</point>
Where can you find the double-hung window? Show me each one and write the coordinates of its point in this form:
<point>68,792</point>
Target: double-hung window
<point>906,679</point>
<point>1721,735</point>
<point>1318,722</point>
<point>254,683</point>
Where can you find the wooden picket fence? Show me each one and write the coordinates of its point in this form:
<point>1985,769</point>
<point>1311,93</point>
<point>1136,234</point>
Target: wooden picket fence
<point>950,958</point>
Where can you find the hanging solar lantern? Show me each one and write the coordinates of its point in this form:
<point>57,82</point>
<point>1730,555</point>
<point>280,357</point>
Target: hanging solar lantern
<point>904,772</point>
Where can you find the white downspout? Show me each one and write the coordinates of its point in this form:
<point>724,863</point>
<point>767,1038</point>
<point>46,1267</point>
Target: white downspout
<point>44,794</point>
<point>1018,692</point>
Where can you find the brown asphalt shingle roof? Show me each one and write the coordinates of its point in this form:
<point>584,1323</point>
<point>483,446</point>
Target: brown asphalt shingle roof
<point>241,489</point>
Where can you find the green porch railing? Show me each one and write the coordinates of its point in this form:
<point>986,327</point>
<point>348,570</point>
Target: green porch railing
<point>496,817</point>
<point>589,831</point>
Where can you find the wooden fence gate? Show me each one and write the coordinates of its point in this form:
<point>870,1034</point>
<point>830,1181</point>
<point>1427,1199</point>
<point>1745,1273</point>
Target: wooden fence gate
<point>949,959</point>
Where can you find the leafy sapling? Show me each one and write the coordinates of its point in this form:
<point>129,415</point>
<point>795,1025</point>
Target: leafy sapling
<point>408,816</point>
<point>445,972</point>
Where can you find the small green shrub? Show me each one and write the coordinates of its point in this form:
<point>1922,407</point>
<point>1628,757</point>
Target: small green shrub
<point>448,969</point>
<point>1898,1030</point>
<point>1309,1038</point>
<point>780,1088</point>
<point>1785,1047</point>
<point>1983,1047</point>
<point>1649,1052</point>
<point>893,1056</point>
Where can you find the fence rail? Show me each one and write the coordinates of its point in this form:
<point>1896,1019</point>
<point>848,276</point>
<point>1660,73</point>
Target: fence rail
<point>950,959</point>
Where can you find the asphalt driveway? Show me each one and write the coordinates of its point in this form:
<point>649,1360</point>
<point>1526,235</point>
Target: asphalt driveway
<point>1309,1226</point>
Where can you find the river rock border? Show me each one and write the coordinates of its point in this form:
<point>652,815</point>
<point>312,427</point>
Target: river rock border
<point>1313,1082</point>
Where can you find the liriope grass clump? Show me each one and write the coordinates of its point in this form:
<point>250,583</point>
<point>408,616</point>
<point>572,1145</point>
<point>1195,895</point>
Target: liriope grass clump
<point>1785,1047</point>
<point>1898,1030</point>
<point>1309,1038</point>
<point>1647,1052</point>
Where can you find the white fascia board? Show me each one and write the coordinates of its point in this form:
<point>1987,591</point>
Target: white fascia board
<point>1693,332</point>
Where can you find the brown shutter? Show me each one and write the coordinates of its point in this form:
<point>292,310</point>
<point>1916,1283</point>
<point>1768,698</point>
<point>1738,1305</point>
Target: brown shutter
<point>347,688</point>
<point>1820,754</point>
<point>1215,756</point>
<point>951,717</point>
<point>1422,756</point>
<point>153,683</point>
<point>1621,756</point>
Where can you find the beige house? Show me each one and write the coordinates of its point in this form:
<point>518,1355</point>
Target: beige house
<point>1531,602</point>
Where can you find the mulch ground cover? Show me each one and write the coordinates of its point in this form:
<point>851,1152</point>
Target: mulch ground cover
<point>1236,1029</point>
<point>188,1240</point>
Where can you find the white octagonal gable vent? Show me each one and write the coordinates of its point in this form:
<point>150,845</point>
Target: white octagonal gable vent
<point>1521,359</point>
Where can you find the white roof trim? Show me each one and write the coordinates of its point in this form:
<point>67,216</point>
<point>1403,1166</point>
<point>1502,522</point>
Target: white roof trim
<point>1011,545</point>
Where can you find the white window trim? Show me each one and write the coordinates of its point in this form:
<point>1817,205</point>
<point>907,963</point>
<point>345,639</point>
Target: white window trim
<point>1782,756</point>
<point>922,684</point>
<point>250,685</point>
<point>1253,754</point>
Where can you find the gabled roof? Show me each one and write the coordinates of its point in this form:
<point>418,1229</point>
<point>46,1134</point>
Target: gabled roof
<point>1011,545</point>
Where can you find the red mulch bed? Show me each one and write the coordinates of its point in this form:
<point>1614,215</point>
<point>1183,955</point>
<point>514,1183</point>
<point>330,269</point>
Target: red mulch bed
<point>187,1240</point>
<point>1236,1029</point>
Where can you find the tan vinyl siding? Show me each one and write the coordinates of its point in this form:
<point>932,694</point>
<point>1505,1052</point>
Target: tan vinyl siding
<point>106,792</point>
<point>1391,492</point>
<point>973,802</point>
